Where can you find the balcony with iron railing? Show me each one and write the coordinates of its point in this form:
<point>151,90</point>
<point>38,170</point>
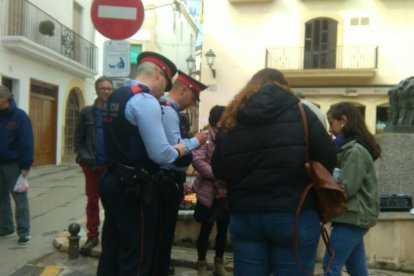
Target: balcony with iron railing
<point>342,61</point>
<point>32,31</point>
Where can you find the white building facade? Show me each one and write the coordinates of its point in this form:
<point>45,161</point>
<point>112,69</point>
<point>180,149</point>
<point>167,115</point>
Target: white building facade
<point>48,60</point>
<point>169,29</point>
<point>330,50</point>
<point>51,54</point>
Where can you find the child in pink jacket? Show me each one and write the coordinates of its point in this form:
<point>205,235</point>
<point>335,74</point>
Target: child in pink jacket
<point>211,200</point>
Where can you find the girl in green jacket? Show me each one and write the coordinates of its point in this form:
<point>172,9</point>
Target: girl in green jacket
<point>357,151</point>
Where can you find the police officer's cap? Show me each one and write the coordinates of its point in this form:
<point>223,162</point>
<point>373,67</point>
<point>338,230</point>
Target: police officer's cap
<point>166,65</point>
<point>191,83</point>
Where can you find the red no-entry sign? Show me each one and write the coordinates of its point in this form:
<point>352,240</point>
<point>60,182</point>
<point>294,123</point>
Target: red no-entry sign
<point>117,19</point>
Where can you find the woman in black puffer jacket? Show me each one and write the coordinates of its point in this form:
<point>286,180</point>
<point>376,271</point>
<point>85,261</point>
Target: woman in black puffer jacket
<point>260,154</point>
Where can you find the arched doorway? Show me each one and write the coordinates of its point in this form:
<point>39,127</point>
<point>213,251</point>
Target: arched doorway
<point>72,117</point>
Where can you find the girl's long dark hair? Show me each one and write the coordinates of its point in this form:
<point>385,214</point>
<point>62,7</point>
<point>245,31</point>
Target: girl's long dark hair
<point>355,125</point>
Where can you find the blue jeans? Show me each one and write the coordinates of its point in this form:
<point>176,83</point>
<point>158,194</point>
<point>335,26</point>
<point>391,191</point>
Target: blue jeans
<point>263,243</point>
<point>348,244</point>
<point>9,172</point>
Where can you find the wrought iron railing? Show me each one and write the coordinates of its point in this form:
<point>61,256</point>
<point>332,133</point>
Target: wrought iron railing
<point>341,57</point>
<point>27,20</point>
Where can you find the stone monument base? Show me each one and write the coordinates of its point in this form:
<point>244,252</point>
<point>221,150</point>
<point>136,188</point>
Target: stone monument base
<point>399,129</point>
<point>395,169</point>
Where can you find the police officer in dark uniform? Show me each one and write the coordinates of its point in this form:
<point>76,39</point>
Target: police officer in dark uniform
<point>185,92</point>
<point>135,145</point>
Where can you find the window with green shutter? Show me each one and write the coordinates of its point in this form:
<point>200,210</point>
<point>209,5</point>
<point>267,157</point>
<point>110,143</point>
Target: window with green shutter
<point>136,49</point>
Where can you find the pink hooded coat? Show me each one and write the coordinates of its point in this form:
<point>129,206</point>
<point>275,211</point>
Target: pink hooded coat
<point>204,182</point>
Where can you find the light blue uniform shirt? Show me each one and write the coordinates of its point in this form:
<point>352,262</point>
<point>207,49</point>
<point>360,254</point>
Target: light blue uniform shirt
<point>144,111</point>
<point>171,122</point>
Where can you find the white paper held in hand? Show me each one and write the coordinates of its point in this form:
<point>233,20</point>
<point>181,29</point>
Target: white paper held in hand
<point>22,185</point>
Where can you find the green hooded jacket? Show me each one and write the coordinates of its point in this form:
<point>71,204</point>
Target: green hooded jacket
<point>359,179</point>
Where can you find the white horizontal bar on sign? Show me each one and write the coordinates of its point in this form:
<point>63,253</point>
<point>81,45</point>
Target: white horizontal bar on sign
<point>117,12</point>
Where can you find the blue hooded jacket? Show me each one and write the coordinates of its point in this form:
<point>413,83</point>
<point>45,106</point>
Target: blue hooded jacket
<point>16,137</point>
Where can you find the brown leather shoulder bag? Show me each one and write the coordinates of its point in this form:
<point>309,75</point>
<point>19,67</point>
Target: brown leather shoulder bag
<point>331,198</point>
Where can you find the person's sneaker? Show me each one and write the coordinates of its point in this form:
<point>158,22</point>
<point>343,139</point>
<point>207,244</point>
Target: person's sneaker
<point>7,235</point>
<point>23,241</point>
<point>171,270</point>
<point>88,245</point>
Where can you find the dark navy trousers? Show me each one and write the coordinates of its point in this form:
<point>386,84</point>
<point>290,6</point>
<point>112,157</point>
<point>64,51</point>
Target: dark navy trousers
<point>170,195</point>
<point>128,232</point>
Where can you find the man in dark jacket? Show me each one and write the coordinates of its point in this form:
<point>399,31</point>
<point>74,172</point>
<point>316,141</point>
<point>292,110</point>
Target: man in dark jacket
<point>16,158</point>
<point>89,147</point>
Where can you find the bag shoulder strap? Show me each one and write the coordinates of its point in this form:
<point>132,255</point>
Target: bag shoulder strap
<point>305,128</point>
<point>307,164</point>
<point>323,231</point>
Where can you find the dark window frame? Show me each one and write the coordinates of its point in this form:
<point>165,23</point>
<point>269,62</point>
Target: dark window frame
<point>320,43</point>
<point>71,120</point>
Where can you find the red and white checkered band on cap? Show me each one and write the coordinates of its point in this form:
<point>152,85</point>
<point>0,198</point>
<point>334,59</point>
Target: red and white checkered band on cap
<point>159,63</point>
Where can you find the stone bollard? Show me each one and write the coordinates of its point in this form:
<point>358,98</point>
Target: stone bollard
<point>73,249</point>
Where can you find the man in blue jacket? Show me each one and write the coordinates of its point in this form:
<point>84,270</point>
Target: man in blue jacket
<point>135,147</point>
<point>16,158</point>
<point>185,92</point>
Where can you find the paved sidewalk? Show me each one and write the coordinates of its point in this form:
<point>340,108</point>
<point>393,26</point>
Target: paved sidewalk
<point>39,171</point>
<point>183,258</point>
<point>186,257</point>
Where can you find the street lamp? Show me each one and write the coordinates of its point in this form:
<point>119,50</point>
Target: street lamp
<point>211,56</point>
<point>192,112</point>
<point>192,68</point>
<point>190,64</point>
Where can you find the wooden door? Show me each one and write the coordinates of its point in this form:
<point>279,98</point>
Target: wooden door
<point>43,115</point>
<point>320,43</point>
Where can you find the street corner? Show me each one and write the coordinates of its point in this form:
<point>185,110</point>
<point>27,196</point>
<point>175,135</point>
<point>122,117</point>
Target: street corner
<point>58,263</point>
<point>187,257</point>
<point>228,264</point>
<point>61,243</point>
<point>37,270</point>
<point>61,240</point>
<point>37,172</point>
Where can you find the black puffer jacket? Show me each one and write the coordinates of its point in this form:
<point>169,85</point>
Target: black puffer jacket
<point>262,158</point>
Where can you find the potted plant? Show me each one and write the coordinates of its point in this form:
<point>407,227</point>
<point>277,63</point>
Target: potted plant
<point>47,27</point>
